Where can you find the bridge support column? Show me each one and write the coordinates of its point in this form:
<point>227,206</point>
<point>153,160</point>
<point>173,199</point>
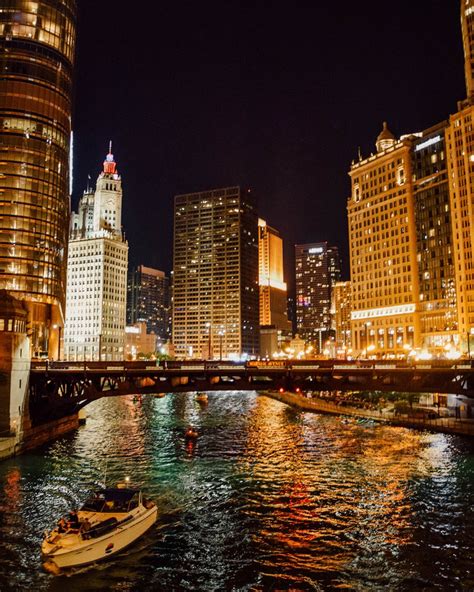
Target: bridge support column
<point>14,370</point>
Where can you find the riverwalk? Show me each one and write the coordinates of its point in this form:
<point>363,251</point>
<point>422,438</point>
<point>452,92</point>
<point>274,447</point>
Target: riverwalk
<point>447,425</point>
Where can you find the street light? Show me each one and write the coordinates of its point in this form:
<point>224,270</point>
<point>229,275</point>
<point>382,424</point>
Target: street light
<point>209,344</point>
<point>221,335</point>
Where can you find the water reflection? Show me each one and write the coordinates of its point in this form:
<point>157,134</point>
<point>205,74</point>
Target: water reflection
<point>266,498</point>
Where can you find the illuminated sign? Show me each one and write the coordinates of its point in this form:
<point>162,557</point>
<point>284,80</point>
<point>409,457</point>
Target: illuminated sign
<point>429,142</point>
<point>315,250</point>
<point>383,312</point>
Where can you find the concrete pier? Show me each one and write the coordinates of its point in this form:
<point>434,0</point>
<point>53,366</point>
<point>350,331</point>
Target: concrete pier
<point>17,434</point>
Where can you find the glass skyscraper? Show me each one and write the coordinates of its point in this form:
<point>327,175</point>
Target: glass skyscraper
<point>37,42</point>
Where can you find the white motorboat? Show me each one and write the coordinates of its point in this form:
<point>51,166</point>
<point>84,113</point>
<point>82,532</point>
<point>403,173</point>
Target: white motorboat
<point>110,520</point>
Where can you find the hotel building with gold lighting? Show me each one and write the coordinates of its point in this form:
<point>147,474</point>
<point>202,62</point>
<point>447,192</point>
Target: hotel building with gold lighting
<point>273,297</point>
<point>272,287</point>
<point>382,238</point>
<point>37,44</point>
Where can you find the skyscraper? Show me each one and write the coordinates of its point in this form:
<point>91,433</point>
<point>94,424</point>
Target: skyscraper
<point>467,26</point>
<point>460,168</point>
<point>272,287</point>
<point>318,268</point>
<point>434,240</point>
<point>37,55</point>
<point>97,272</point>
<point>148,300</point>
<point>215,280</point>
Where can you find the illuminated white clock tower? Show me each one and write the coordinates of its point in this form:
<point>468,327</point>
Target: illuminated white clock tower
<point>97,272</point>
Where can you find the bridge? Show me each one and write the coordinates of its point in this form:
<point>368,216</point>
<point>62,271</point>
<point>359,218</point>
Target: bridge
<point>61,388</point>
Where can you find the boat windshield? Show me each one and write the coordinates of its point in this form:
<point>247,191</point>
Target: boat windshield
<point>112,500</point>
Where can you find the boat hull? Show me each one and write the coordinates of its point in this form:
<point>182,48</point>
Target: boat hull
<point>92,550</point>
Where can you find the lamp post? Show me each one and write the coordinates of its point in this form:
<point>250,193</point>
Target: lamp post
<point>221,335</point>
<point>209,341</point>
<point>366,332</point>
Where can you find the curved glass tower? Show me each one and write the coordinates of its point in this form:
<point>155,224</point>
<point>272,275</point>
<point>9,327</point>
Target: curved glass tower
<point>37,41</point>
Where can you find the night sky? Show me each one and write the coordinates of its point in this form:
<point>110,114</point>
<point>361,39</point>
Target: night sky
<point>273,96</point>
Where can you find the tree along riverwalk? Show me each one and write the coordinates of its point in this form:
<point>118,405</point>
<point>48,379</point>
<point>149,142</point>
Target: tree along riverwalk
<point>446,425</point>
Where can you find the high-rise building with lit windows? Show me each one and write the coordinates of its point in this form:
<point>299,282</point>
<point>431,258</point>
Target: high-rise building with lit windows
<point>37,41</point>
<point>382,239</point>
<point>467,27</point>
<point>148,300</point>
<point>97,273</point>
<point>318,268</point>
<point>272,287</point>
<point>341,310</point>
<point>434,241</point>
<point>402,260</point>
<point>215,274</point>
<point>460,169</point>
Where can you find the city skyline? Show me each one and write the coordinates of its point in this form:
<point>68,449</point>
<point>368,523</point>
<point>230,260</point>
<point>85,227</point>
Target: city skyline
<point>293,134</point>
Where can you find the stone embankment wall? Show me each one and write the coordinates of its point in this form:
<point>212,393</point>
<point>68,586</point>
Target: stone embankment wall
<point>37,436</point>
<point>442,424</point>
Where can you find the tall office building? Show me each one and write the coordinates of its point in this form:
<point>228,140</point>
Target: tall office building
<point>272,287</point>
<point>148,300</point>
<point>434,244</point>
<point>460,166</point>
<point>37,42</point>
<point>318,268</point>
<point>215,280</point>
<point>97,272</point>
<point>467,27</point>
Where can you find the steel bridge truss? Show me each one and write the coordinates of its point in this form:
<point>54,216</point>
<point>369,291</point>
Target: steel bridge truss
<point>54,393</point>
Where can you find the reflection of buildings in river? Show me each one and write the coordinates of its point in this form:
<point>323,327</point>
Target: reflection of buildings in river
<point>12,491</point>
<point>331,477</point>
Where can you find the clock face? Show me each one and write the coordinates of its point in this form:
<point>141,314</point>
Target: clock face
<point>110,203</point>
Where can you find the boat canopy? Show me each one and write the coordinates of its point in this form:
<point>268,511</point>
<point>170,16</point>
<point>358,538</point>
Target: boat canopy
<point>111,500</point>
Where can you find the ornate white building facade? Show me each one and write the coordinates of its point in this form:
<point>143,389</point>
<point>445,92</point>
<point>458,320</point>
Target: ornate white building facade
<point>97,272</point>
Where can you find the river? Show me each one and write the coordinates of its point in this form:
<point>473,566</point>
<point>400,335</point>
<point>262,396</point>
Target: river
<point>268,499</point>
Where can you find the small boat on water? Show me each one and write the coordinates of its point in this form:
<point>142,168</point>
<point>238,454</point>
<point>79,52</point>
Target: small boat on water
<point>159,395</point>
<point>191,434</point>
<point>110,520</point>
<point>201,398</point>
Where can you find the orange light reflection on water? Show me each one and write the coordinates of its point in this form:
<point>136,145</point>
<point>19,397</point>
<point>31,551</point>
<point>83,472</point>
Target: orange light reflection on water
<point>371,468</point>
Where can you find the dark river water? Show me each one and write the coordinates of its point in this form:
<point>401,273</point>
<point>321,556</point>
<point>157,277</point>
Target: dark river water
<point>268,499</point>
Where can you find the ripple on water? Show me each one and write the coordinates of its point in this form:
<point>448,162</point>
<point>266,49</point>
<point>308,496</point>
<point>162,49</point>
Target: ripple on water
<point>268,499</point>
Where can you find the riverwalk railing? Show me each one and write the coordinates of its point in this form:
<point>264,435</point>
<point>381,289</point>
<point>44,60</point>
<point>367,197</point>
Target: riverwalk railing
<point>446,425</point>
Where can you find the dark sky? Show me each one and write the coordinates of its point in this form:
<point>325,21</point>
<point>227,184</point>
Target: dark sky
<point>275,96</point>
